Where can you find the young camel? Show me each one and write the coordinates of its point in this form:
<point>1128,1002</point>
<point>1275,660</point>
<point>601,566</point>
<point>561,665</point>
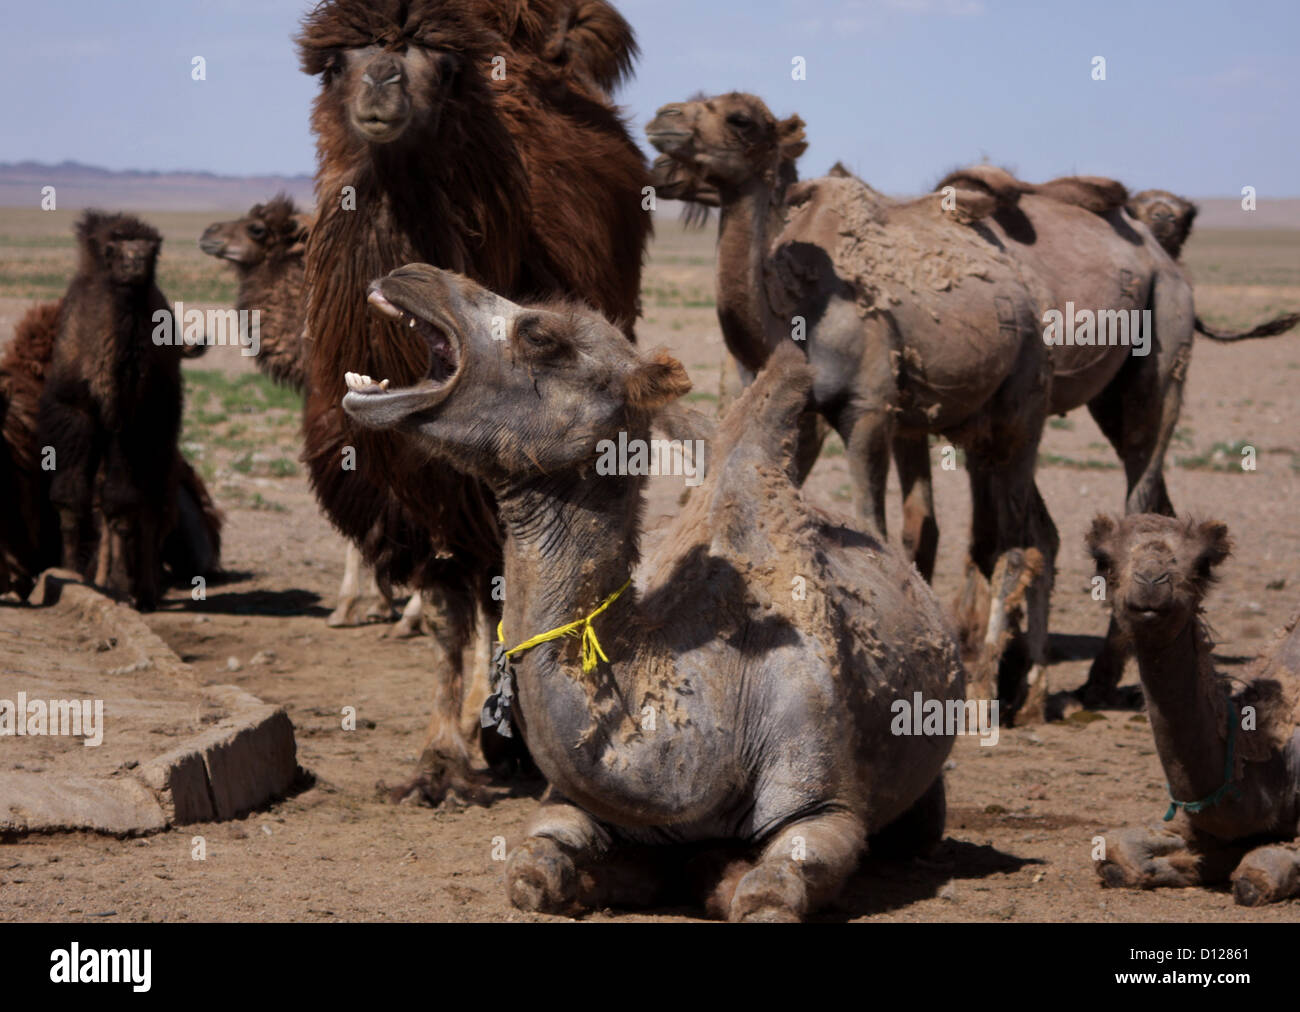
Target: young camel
<point>266,248</point>
<point>915,321</point>
<point>707,702</point>
<point>1231,753</point>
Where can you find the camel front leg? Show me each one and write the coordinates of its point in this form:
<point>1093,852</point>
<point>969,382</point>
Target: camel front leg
<point>920,526</point>
<point>1267,875</point>
<point>445,765</point>
<point>349,589</point>
<point>412,621</point>
<point>802,868</point>
<point>867,434</point>
<point>542,872</point>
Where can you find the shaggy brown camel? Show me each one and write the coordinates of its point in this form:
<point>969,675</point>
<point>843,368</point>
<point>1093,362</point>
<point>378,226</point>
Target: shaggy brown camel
<point>1230,748</point>
<point>266,248</point>
<point>673,718</point>
<point>915,321</point>
<point>478,135</point>
<point>29,524</point>
<point>1170,217</point>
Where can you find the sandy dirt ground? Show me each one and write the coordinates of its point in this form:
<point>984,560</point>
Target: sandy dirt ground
<point>1022,814</point>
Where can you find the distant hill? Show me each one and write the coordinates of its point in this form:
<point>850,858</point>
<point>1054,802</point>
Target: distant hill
<point>80,185</point>
<point>77,185</point>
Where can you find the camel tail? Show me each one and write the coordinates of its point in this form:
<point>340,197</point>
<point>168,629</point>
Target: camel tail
<point>1278,325</point>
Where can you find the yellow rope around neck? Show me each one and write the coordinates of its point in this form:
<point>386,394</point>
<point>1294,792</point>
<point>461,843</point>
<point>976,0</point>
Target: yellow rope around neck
<point>582,627</point>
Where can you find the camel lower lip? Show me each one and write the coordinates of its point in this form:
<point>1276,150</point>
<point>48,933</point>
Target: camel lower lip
<point>666,137</point>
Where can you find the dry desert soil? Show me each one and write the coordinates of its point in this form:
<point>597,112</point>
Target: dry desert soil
<point>1022,814</point>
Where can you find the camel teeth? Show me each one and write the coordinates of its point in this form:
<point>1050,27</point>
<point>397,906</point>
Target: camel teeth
<point>361,383</point>
<point>412,323</point>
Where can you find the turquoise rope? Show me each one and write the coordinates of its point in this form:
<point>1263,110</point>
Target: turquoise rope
<point>1192,807</point>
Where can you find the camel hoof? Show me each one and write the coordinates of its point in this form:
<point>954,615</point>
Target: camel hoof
<point>405,630</point>
<point>357,611</point>
<point>1127,697</point>
<point>772,891</point>
<point>1246,893</point>
<point>1112,876</point>
<point>441,783</point>
<point>540,877</point>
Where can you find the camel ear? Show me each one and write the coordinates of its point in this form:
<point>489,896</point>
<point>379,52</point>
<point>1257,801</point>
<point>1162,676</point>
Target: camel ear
<point>656,382</point>
<point>1098,540</point>
<point>299,247</point>
<point>1216,546</point>
<point>790,138</point>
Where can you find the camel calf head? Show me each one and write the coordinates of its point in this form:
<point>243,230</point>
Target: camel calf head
<point>1157,570</point>
<point>272,231</point>
<point>119,248</point>
<point>511,390</point>
<point>1168,216</point>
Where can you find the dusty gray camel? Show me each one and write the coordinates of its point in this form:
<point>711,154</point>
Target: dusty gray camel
<point>709,701</point>
<point>915,321</point>
<point>1230,748</point>
<point>266,248</point>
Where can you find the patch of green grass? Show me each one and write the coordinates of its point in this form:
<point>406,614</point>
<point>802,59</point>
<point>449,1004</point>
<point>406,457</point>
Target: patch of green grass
<point>1226,458</point>
<point>1056,460</point>
<point>245,393</point>
<point>241,498</point>
<point>698,396</point>
<point>1065,424</point>
<point>282,467</point>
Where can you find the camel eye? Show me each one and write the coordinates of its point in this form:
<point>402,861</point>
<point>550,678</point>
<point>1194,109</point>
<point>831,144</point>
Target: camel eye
<point>739,120</point>
<point>257,230</point>
<point>535,337</point>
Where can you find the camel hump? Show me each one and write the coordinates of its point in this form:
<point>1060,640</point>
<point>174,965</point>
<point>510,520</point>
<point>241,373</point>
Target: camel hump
<point>763,422</point>
<point>997,183</point>
<point>1093,193</point>
<point>951,202</point>
<point>32,347</point>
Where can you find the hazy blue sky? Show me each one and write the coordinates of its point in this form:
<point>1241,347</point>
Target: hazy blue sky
<point>1200,97</point>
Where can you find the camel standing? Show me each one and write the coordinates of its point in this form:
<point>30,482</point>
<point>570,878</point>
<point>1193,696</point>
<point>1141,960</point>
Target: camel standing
<point>915,321</point>
<point>672,718</point>
<point>266,248</point>
<point>1231,753</point>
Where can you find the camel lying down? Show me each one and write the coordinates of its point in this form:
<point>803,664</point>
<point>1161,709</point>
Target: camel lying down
<point>1230,750</point>
<point>740,685</point>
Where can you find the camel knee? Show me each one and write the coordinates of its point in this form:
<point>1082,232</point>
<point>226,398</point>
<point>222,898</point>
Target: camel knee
<point>1147,859</point>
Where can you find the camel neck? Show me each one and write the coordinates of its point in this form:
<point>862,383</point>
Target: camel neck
<point>750,216</point>
<point>1186,719</point>
<point>571,541</point>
